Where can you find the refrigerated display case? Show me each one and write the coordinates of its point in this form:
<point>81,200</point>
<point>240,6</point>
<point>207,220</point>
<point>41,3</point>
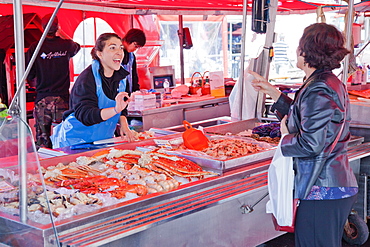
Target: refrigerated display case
<point>205,212</point>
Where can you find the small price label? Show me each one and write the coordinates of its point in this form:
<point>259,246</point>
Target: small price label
<point>162,143</point>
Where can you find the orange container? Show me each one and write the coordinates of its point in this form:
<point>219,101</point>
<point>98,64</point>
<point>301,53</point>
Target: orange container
<point>206,90</point>
<point>193,138</point>
<point>194,90</point>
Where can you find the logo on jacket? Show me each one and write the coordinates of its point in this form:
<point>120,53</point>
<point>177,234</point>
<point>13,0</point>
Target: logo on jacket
<point>51,55</point>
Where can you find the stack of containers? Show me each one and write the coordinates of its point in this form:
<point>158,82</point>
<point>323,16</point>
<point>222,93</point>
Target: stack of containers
<point>144,101</point>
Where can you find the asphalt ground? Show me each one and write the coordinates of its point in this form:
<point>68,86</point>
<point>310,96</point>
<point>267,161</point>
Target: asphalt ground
<point>287,240</point>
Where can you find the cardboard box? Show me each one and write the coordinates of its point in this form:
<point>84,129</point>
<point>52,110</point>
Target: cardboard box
<point>217,84</point>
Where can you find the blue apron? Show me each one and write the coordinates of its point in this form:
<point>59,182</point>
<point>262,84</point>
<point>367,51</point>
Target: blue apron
<point>128,67</point>
<point>71,131</point>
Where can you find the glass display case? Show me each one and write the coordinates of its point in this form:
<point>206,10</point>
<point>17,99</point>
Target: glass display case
<point>25,201</point>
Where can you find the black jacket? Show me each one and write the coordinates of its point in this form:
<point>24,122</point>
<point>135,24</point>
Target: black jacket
<point>315,118</point>
<point>133,72</point>
<point>51,67</point>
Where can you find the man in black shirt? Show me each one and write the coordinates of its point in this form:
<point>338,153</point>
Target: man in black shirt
<point>51,70</point>
<point>133,40</point>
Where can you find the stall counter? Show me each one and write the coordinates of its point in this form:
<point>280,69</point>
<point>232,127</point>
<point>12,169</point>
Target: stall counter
<point>208,212</point>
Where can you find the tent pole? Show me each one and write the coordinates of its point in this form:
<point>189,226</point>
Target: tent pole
<point>269,39</point>
<point>21,91</point>
<point>242,56</point>
<point>263,63</point>
<point>348,29</point>
<point>18,104</point>
<point>181,39</point>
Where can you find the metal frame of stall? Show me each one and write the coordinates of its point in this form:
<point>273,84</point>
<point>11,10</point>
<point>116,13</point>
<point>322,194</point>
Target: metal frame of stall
<point>200,213</point>
<point>224,195</point>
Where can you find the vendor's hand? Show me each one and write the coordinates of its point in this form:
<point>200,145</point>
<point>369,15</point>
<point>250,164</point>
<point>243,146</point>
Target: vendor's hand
<point>262,85</point>
<point>283,127</point>
<point>122,99</point>
<point>127,134</point>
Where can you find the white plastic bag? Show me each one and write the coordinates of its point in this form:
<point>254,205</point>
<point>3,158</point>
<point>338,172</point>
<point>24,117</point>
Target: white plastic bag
<point>280,187</point>
<point>243,102</point>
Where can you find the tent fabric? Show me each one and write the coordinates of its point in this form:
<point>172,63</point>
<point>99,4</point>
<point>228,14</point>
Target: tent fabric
<point>143,7</point>
<point>69,19</point>
<point>284,5</point>
<point>33,30</point>
<point>363,6</point>
<point>189,18</point>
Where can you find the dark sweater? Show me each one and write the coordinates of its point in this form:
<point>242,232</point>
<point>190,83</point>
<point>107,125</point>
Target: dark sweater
<point>84,101</point>
<point>134,76</point>
<point>51,67</point>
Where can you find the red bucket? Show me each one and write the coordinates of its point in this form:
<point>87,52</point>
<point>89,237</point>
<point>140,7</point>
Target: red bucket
<point>193,138</point>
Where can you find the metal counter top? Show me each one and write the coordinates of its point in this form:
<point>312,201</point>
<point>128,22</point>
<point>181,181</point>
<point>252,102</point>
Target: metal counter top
<point>180,106</point>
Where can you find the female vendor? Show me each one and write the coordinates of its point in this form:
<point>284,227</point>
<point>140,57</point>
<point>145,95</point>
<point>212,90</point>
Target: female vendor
<point>99,98</point>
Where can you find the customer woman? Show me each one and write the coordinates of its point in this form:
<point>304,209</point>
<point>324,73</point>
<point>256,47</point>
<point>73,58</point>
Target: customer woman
<point>324,181</point>
<point>98,99</point>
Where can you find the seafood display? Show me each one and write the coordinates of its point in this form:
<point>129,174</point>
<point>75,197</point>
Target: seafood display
<point>143,135</point>
<point>61,203</point>
<point>271,129</point>
<point>231,148</point>
<point>107,177</point>
<point>269,133</point>
<point>223,148</point>
<point>266,132</point>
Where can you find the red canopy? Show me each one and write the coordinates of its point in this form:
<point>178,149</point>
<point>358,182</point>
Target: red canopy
<point>173,7</point>
<point>116,12</point>
<point>363,6</point>
<point>178,5</point>
<point>69,19</point>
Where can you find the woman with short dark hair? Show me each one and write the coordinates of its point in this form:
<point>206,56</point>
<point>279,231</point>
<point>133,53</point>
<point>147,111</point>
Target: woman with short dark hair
<point>315,132</point>
<point>99,98</point>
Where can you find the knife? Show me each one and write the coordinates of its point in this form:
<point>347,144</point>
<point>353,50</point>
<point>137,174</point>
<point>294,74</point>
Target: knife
<point>91,146</point>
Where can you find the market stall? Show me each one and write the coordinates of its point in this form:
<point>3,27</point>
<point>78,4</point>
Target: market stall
<point>206,208</point>
<point>218,209</point>
<point>190,198</point>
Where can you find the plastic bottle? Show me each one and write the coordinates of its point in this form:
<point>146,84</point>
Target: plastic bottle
<point>166,86</point>
<point>358,78</point>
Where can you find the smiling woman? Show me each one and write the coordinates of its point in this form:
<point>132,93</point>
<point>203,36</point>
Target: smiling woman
<point>110,56</point>
<point>99,98</point>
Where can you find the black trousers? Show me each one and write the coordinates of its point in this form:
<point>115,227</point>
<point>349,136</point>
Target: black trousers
<point>320,223</point>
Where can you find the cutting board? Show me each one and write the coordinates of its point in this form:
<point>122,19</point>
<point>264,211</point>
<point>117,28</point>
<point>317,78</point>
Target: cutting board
<point>195,98</point>
<point>362,93</point>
